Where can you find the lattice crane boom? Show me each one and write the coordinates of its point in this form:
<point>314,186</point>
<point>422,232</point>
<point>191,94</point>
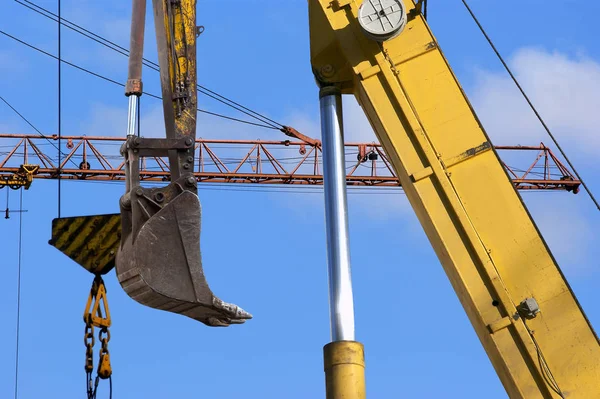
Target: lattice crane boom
<point>288,162</point>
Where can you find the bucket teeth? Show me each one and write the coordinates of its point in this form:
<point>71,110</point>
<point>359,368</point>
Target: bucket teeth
<point>161,265</point>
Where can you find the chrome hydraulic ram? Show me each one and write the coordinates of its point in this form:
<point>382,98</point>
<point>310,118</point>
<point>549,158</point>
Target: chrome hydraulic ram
<point>133,88</point>
<point>343,357</point>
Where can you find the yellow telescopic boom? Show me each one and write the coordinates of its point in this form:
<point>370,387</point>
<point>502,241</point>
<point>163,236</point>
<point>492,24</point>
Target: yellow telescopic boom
<point>525,314</point>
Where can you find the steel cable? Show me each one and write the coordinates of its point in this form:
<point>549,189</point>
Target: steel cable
<point>30,124</point>
<point>59,110</point>
<point>19,251</point>
<point>123,85</point>
<point>150,64</point>
<point>537,114</point>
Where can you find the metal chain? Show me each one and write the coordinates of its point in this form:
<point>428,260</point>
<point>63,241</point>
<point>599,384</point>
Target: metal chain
<point>88,340</point>
<point>93,318</point>
<point>104,369</point>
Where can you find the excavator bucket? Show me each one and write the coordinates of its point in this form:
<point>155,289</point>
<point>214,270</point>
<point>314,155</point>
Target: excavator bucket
<point>161,266</point>
<point>158,263</point>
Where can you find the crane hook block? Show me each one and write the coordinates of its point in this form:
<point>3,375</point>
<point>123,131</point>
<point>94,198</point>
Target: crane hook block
<point>159,263</point>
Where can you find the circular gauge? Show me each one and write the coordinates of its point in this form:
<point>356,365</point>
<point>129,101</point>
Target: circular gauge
<point>382,20</point>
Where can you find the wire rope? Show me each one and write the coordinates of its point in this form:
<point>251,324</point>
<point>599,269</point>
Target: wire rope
<point>150,64</point>
<point>59,26</point>
<point>31,124</point>
<point>18,323</point>
<point>123,85</point>
<point>535,111</point>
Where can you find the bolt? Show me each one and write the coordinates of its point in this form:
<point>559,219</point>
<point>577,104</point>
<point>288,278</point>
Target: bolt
<point>139,192</point>
<point>191,181</point>
<point>137,141</point>
<point>190,159</point>
<point>125,201</point>
<point>186,166</point>
<point>159,197</point>
<point>188,141</point>
<point>327,70</point>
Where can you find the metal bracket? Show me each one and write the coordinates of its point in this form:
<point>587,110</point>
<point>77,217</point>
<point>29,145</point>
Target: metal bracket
<point>291,132</point>
<point>470,153</point>
<point>529,308</point>
<point>145,147</point>
<point>420,8</point>
<point>134,87</point>
<point>341,3</point>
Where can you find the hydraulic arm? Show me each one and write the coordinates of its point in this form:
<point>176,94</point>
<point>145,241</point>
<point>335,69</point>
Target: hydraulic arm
<point>526,316</point>
<point>383,53</point>
<point>158,262</point>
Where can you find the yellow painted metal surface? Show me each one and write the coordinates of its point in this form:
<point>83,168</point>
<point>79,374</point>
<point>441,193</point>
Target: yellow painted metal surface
<point>344,363</point>
<point>91,241</point>
<point>97,301</point>
<point>477,223</point>
<point>93,316</point>
<point>23,177</point>
<point>177,35</point>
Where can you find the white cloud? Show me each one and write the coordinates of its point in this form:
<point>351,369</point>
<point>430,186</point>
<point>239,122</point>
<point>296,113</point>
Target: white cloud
<point>565,90</point>
<point>565,227</point>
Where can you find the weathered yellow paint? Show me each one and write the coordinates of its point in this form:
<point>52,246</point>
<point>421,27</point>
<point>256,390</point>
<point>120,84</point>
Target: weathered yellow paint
<point>180,36</point>
<point>23,177</point>
<point>476,221</point>
<point>344,363</point>
<point>91,241</point>
<point>92,315</point>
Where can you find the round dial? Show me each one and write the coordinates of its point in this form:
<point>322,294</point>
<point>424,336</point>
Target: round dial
<point>382,19</point>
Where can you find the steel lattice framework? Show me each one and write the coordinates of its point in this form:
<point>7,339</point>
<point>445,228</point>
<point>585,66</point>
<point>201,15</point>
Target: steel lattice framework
<point>252,162</point>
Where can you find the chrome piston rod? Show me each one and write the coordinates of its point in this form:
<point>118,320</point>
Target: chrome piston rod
<point>341,305</point>
<point>132,115</point>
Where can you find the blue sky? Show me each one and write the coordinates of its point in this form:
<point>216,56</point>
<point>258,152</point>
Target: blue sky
<point>265,250</point>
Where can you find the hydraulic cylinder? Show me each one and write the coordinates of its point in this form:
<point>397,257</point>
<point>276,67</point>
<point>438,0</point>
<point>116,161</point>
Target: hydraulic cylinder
<point>343,357</point>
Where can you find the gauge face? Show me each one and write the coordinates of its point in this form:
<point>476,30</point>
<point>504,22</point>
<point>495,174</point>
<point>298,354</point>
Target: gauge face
<point>382,19</point>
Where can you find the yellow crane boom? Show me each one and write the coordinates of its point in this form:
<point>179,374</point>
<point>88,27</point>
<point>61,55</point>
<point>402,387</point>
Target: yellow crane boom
<point>526,316</point>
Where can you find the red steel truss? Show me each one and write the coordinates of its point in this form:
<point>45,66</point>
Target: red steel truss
<point>252,162</point>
